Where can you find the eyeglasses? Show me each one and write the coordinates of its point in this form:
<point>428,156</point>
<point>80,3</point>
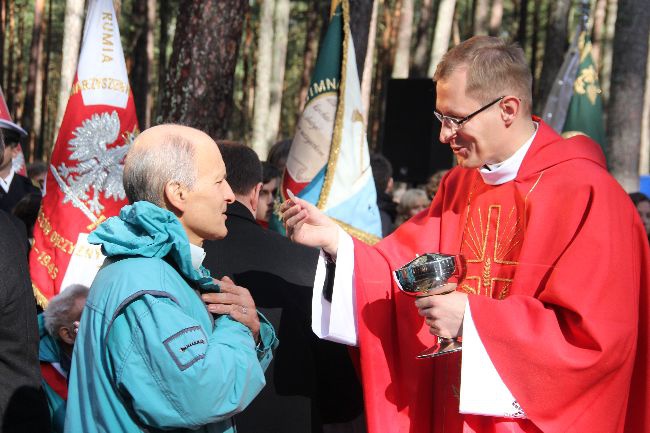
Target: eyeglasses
<point>455,123</point>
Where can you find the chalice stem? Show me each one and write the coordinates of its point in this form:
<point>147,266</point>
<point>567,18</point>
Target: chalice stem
<point>443,345</point>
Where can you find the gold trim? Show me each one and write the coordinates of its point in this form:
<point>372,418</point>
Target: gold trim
<point>335,146</point>
<point>359,234</point>
<point>532,188</point>
<point>320,95</point>
<point>569,134</point>
<point>333,7</point>
<point>41,300</point>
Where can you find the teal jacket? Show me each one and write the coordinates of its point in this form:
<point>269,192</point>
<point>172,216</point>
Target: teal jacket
<point>148,355</point>
<point>50,352</point>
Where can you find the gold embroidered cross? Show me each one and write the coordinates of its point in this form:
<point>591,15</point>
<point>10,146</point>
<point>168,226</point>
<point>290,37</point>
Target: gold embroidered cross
<point>487,246</point>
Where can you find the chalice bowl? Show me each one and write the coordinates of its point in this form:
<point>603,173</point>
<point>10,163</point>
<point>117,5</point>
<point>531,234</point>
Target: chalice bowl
<point>426,275</point>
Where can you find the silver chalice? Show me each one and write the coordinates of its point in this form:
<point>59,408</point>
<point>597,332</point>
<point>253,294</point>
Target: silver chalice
<point>426,275</point>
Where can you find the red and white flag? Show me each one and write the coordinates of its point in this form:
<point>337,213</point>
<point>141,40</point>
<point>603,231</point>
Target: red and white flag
<point>84,181</point>
<point>6,122</point>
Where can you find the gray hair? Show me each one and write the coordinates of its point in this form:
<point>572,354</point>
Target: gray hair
<point>59,308</point>
<point>148,169</point>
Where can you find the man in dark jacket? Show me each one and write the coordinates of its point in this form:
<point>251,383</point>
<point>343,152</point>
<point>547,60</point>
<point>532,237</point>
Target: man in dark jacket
<point>382,172</point>
<point>13,186</point>
<point>22,404</point>
<point>280,274</point>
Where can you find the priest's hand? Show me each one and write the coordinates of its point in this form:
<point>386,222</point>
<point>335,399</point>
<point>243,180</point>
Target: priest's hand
<point>444,313</point>
<point>307,225</point>
<point>237,302</point>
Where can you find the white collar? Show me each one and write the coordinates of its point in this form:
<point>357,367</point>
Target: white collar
<point>505,171</point>
<point>6,182</point>
<point>198,254</point>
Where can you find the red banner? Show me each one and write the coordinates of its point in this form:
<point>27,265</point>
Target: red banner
<point>84,180</point>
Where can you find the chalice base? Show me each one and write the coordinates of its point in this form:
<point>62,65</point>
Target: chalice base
<point>443,346</point>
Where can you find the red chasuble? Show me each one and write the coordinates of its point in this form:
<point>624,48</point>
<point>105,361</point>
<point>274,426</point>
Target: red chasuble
<point>557,277</point>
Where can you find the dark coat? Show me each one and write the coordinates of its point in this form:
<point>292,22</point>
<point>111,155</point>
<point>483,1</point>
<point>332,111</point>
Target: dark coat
<point>20,186</point>
<point>280,274</point>
<point>387,212</point>
<point>22,403</point>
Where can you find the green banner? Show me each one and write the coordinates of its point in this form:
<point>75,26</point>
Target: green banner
<point>327,71</point>
<point>585,114</point>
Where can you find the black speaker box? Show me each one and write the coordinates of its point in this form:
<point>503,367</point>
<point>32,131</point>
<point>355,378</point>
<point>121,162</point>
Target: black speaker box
<point>411,132</point>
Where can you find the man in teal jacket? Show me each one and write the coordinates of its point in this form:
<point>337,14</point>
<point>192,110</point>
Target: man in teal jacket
<point>149,356</point>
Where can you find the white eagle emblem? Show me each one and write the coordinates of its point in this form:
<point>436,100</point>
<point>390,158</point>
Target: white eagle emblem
<point>99,169</point>
<point>18,163</point>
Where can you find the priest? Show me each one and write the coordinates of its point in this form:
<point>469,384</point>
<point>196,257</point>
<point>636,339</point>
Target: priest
<point>552,308</point>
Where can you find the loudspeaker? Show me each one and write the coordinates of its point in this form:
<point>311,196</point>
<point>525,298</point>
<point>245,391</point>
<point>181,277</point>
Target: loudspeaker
<point>411,132</point>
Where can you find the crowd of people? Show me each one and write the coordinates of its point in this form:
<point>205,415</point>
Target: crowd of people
<point>204,319</point>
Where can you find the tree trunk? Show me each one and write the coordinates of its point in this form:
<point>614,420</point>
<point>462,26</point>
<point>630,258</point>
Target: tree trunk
<point>522,29</point>
<point>366,82</point>
<point>309,56</point>
<point>280,41</point>
<point>481,12</point>
<point>165,19</point>
<point>442,33</point>
<point>144,17</point>
<point>72,25</point>
<point>423,36</point>
<point>554,48</point>
<point>33,77</point>
<point>644,166</point>
<point>625,109</point>
<point>3,28</point>
<point>9,82</point>
<point>403,46</point>
<point>597,32</point>
<point>360,16</point>
<point>248,82</point>
<point>19,54</point>
<point>382,71</point>
<point>42,137</point>
<point>199,86</point>
<point>535,42</point>
<point>263,78</point>
<point>496,17</point>
<point>607,49</point>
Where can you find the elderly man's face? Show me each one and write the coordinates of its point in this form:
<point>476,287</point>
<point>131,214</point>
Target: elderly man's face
<point>205,214</point>
<point>477,142</point>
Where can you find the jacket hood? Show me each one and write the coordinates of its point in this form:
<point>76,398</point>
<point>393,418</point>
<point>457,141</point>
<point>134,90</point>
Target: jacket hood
<point>146,230</point>
<point>550,149</point>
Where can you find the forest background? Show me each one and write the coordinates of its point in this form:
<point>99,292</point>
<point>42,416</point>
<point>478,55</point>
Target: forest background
<point>240,69</point>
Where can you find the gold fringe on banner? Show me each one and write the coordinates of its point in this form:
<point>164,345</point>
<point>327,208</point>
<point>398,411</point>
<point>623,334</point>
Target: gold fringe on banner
<point>335,147</point>
<point>41,300</point>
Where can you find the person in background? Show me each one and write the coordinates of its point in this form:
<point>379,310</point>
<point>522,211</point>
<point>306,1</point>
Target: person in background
<point>13,186</point>
<point>433,184</point>
<point>23,407</point>
<point>278,154</point>
<point>27,211</point>
<point>270,180</point>
<point>58,326</point>
<point>413,202</point>
<point>642,203</point>
<point>37,172</point>
<point>279,275</point>
<point>382,172</point>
